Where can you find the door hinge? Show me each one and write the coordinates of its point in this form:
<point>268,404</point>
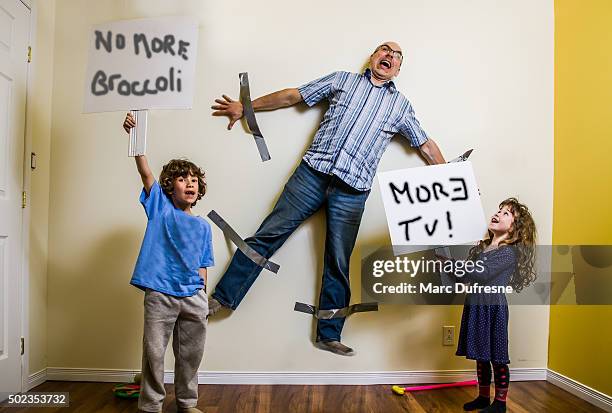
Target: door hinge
<point>22,346</point>
<point>24,199</point>
<point>29,54</point>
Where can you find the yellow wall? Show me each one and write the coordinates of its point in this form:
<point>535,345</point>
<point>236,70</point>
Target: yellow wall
<point>580,337</point>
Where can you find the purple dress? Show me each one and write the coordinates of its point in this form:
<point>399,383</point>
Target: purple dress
<point>484,323</point>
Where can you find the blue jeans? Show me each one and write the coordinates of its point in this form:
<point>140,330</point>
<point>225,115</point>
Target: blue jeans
<point>305,193</point>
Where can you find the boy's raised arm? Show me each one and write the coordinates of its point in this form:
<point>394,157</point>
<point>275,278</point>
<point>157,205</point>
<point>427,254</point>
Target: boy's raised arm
<point>145,172</point>
<point>141,161</point>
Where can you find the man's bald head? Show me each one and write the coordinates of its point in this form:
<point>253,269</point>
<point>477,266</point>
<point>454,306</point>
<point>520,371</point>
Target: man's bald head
<point>385,62</point>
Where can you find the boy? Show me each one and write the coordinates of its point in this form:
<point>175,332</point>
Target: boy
<point>171,269</point>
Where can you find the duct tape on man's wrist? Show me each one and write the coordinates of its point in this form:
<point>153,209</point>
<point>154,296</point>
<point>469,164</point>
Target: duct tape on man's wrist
<point>249,114</point>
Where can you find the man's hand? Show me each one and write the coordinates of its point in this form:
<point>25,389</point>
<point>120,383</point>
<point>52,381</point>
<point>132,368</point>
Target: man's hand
<point>129,122</point>
<point>228,107</point>
<point>442,258</point>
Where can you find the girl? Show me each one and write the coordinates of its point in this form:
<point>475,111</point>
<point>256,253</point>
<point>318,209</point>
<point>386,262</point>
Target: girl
<point>508,259</point>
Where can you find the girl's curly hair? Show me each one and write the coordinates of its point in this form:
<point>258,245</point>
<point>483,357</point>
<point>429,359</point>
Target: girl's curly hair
<point>522,236</point>
<point>181,168</point>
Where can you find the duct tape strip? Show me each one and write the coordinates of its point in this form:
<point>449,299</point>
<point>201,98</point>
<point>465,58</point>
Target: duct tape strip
<point>463,157</point>
<point>249,114</point>
<point>246,249</point>
<point>337,313</point>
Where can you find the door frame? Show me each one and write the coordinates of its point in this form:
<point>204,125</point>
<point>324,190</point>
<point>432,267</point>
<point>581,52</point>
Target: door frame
<point>25,226</point>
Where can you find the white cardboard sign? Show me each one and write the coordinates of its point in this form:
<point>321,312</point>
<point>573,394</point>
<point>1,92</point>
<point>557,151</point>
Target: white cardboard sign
<point>141,64</point>
<point>432,205</point>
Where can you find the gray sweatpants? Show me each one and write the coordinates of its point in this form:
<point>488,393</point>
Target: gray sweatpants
<point>185,319</point>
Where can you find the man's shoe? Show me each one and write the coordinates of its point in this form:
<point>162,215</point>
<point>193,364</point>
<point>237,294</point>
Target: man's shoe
<point>335,347</point>
<point>213,306</point>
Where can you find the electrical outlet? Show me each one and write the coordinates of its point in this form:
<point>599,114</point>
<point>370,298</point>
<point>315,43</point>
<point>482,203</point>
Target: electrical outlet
<point>448,335</point>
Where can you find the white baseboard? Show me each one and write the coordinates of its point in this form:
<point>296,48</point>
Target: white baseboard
<point>337,378</point>
<point>36,379</point>
<point>528,374</point>
<point>586,393</point>
<point>99,375</point>
<point>331,378</point>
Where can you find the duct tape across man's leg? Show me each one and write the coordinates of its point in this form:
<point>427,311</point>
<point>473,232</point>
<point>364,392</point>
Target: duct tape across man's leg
<point>335,313</point>
<point>246,249</point>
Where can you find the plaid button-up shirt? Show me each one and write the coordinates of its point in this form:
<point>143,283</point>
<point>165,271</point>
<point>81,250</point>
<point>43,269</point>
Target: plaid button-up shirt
<point>356,129</point>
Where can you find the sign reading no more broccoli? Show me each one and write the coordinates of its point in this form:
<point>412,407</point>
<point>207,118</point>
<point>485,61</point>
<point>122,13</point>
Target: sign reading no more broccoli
<point>141,64</point>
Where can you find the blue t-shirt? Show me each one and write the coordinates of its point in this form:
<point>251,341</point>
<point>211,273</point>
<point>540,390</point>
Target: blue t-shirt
<point>175,246</point>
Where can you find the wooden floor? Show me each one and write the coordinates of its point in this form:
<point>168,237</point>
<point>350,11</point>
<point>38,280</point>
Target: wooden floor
<point>537,396</point>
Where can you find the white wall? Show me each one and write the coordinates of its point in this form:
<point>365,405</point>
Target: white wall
<point>479,74</point>
<point>38,126</point>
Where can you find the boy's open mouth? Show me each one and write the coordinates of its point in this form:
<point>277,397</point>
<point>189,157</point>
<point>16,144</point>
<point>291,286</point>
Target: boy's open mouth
<point>189,192</point>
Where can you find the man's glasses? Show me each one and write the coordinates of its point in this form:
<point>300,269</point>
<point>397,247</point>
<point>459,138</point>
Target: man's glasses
<point>395,53</point>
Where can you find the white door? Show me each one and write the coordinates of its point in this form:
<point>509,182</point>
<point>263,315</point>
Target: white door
<point>14,33</point>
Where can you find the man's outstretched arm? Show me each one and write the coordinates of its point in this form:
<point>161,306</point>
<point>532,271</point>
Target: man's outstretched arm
<point>233,109</point>
<point>431,152</point>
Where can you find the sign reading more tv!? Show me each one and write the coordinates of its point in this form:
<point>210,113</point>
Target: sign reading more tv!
<point>432,205</point>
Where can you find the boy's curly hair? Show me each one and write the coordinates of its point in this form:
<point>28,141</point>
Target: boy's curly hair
<point>522,237</point>
<point>181,168</point>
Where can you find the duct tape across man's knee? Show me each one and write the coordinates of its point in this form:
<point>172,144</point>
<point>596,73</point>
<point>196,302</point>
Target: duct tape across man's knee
<point>246,249</point>
<point>336,313</point>
<point>249,114</point>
